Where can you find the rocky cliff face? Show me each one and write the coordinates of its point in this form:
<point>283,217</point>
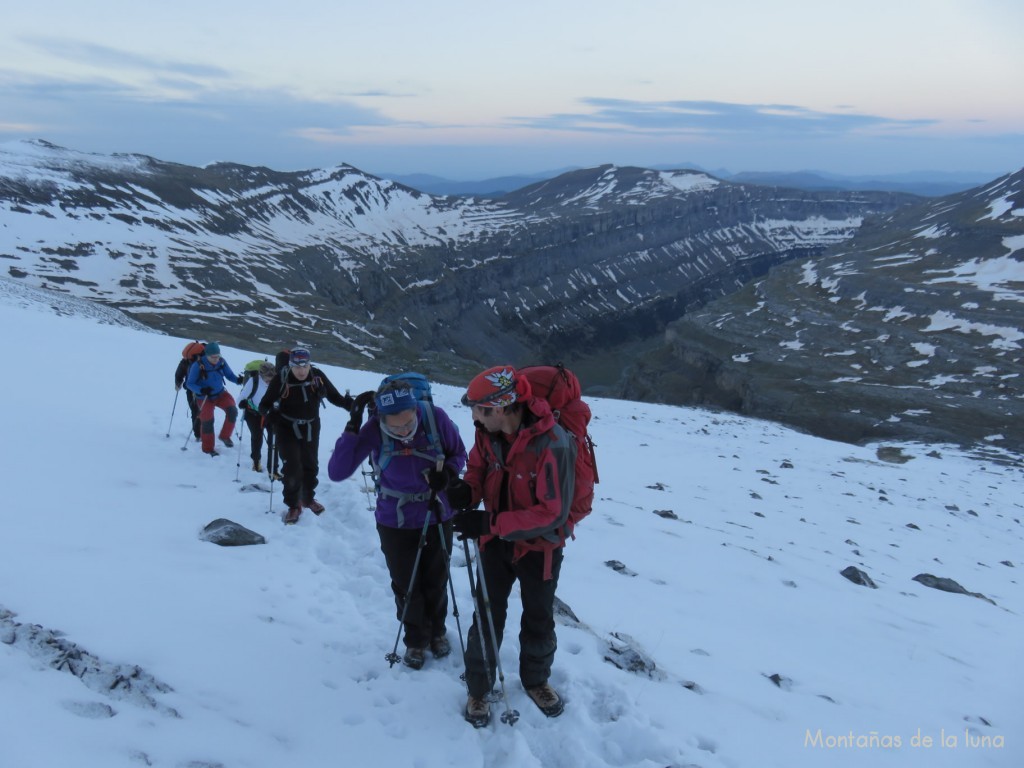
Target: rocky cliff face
<point>914,328</point>
<point>375,274</point>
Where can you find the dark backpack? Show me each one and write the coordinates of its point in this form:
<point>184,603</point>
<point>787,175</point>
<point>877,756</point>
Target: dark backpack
<point>420,386</point>
<point>561,389</point>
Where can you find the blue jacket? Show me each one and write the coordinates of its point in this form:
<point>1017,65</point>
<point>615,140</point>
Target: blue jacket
<point>203,374</point>
<point>405,472</point>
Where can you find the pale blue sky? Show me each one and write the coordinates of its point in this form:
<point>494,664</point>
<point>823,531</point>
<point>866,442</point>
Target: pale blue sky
<point>467,89</point>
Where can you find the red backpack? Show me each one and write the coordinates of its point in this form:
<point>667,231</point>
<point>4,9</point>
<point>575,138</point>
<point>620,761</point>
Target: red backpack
<point>193,351</point>
<point>561,389</point>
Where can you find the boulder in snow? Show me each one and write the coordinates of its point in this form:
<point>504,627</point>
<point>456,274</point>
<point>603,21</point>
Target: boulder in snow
<point>227,533</point>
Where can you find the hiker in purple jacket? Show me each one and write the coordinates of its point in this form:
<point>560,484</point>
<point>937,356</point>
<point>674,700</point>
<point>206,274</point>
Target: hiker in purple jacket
<point>412,468</point>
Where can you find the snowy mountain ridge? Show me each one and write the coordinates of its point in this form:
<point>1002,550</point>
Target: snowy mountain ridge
<point>367,269</point>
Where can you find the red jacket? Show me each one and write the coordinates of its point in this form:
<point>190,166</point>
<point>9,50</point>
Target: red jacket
<point>525,481</point>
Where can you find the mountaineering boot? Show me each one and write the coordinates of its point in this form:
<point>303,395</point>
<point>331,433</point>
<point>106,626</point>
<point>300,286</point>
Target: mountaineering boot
<point>478,712</point>
<point>440,646</point>
<point>228,442</point>
<point>256,466</point>
<point>315,505</point>
<point>276,475</point>
<point>546,699</point>
<point>414,657</point>
<point>211,452</point>
<point>292,515</point>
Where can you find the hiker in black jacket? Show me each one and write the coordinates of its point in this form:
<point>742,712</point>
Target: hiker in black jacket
<point>191,353</point>
<point>292,408</point>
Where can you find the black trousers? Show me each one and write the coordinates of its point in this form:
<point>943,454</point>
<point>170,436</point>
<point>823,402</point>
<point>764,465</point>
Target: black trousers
<point>428,601</point>
<point>301,461</point>
<point>193,407</point>
<point>537,641</point>
<point>254,423</point>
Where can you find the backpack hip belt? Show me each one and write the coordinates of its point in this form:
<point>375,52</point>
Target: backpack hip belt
<point>296,423</point>
<point>403,499</point>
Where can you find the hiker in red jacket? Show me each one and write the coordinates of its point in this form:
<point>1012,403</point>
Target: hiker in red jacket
<point>521,467</point>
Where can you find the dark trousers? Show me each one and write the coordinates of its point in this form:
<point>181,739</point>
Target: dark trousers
<point>537,642</point>
<point>193,407</point>
<point>428,601</point>
<point>301,462</point>
<point>254,422</point>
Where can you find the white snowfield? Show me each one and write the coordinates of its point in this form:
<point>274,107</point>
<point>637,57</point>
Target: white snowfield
<point>273,655</point>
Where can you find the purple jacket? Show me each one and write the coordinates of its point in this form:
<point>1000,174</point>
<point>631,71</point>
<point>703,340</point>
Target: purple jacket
<point>404,475</point>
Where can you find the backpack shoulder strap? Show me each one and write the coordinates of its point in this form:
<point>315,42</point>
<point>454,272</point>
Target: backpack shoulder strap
<point>426,408</point>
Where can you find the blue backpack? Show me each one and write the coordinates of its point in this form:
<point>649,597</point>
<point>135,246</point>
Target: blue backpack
<point>420,386</point>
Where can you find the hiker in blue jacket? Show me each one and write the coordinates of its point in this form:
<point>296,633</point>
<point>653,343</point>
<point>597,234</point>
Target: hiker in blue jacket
<point>206,380</point>
<point>412,468</point>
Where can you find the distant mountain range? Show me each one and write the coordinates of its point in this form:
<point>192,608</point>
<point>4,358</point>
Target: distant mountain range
<point>925,184</point>
<point>613,270</point>
<point>371,270</point>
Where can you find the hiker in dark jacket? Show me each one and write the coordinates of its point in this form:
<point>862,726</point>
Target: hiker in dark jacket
<point>411,472</point>
<point>206,380</point>
<point>194,352</point>
<point>522,467</point>
<point>292,408</point>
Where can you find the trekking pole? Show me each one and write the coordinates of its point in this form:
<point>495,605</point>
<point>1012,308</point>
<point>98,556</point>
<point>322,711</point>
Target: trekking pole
<point>238,464</point>
<point>509,715</point>
<point>451,586</point>
<point>393,657</point>
<point>173,409</point>
<point>199,412</point>
<point>479,618</point>
<point>366,487</point>
<point>271,467</point>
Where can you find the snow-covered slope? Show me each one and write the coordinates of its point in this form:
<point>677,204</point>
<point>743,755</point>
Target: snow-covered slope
<point>714,552</point>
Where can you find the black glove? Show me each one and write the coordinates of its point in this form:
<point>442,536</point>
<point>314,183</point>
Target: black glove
<point>460,494</point>
<point>358,406</point>
<point>347,402</point>
<point>364,399</point>
<point>471,524</point>
<point>438,481</point>
<point>206,391</point>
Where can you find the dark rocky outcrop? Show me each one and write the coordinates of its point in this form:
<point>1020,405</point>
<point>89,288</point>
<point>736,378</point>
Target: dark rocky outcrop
<point>910,330</point>
<point>121,682</point>
<point>857,576</point>
<point>948,585</point>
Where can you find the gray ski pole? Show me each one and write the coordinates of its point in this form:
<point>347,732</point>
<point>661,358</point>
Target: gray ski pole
<point>479,622</point>
<point>198,415</point>
<point>366,488</point>
<point>509,716</point>
<point>272,469</point>
<point>451,586</point>
<point>238,464</point>
<point>177,391</point>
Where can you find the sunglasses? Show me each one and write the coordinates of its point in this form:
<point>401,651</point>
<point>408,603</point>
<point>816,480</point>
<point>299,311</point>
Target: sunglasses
<point>298,365</point>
